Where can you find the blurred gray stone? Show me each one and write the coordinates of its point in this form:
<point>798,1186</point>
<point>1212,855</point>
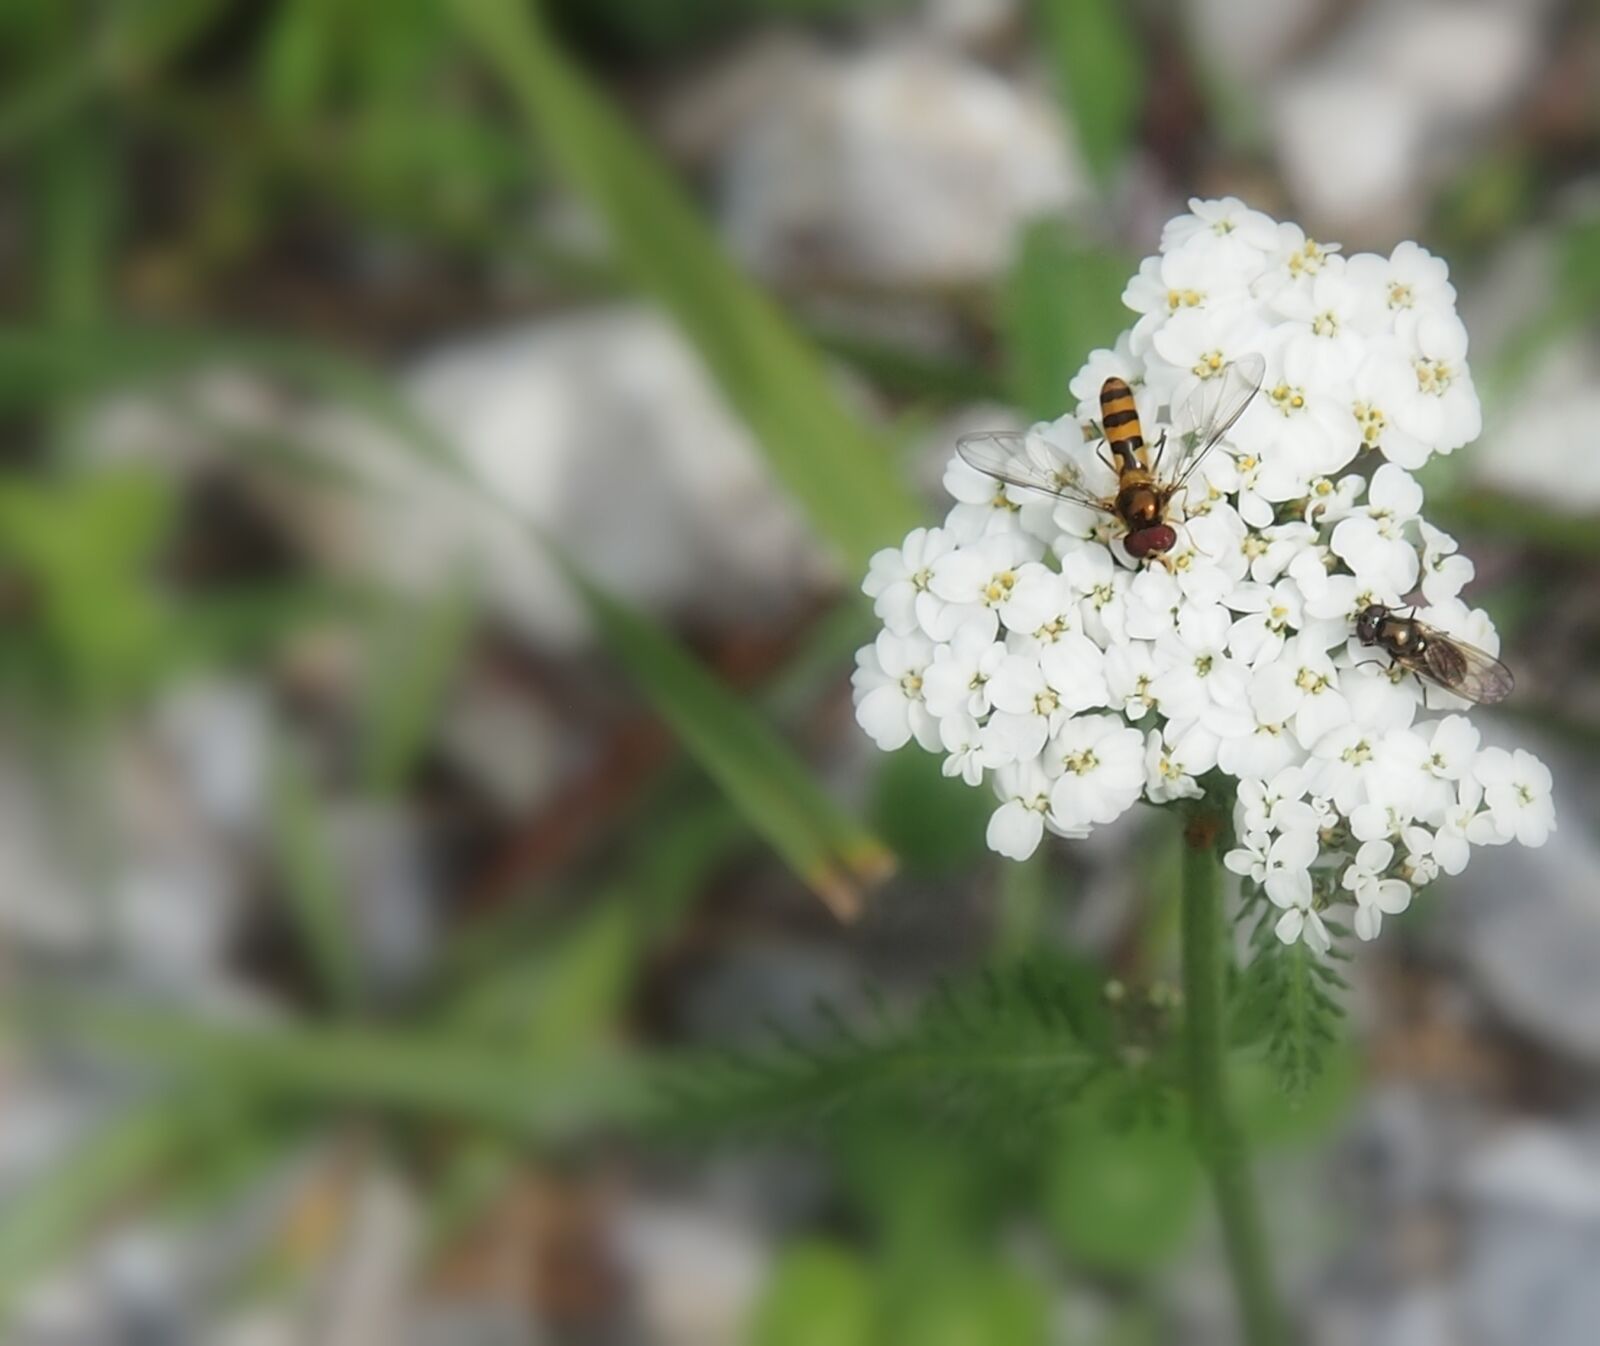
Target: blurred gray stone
<point>693,1273</point>
<point>1528,448</point>
<point>391,894</point>
<point>1533,1243</point>
<point>601,431</point>
<point>1527,922</point>
<point>217,735</point>
<point>901,166</point>
<point>1378,115</point>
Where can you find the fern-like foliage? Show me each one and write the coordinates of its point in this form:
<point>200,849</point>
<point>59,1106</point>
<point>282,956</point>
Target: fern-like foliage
<point>1288,998</point>
<point>1003,1052</point>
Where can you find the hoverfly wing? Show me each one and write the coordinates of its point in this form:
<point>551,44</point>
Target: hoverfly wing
<point>1463,669</point>
<point>1212,410</point>
<point>1012,458</point>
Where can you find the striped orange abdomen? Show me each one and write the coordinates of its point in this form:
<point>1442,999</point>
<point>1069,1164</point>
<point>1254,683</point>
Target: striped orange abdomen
<point>1119,414</point>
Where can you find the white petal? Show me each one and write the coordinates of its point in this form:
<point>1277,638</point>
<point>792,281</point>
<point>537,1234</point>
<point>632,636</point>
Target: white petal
<point>1015,830</point>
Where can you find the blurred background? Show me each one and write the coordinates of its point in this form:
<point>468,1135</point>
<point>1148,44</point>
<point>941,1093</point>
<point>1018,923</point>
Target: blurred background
<point>444,897</point>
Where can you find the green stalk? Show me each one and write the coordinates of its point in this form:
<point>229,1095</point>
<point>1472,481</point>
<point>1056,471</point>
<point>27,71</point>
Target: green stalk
<point>1217,1136</point>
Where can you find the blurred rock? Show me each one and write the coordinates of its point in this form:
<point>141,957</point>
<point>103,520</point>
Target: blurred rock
<point>1528,448</point>
<point>1369,126</point>
<point>507,744</point>
<point>44,907</point>
<point>760,982</point>
<point>1350,143</point>
<point>132,1286</point>
<point>970,23</point>
<point>1249,43</point>
<point>216,734</point>
<point>903,166</point>
<point>471,1324</point>
<point>694,1274</point>
<point>110,854</point>
<point>1533,1240</point>
<point>380,857</point>
<point>44,1120</point>
<point>368,1293</point>
<point>602,431</point>
<point>1527,922</point>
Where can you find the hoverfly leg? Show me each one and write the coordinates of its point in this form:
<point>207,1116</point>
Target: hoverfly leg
<point>1100,453</point>
<point>1161,447</point>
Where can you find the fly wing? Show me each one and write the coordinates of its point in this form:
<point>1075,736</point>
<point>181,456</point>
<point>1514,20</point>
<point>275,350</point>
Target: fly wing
<point>1211,411</point>
<point>1463,669</point>
<point>1021,460</point>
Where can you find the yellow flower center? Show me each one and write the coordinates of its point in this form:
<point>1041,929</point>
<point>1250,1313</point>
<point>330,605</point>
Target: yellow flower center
<point>1209,365</point>
<point>999,587</point>
<point>1177,299</point>
<point>1400,295</point>
<point>1434,376</point>
<point>1081,763</point>
<point>1288,399</point>
<point>1309,680</point>
<point>1372,421</point>
<point>1325,324</point>
<point>1307,259</point>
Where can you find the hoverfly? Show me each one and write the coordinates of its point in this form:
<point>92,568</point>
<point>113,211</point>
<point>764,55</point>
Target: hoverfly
<point>1144,491</point>
<point>1430,653</point>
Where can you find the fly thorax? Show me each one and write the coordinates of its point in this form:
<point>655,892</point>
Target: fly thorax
<point>1139,505</point>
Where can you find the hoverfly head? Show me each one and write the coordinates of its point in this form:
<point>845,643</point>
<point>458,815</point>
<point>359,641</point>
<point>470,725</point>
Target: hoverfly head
<point>1367,622</point>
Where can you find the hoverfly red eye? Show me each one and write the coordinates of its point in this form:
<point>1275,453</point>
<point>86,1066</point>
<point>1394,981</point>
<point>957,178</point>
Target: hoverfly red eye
<point>1151,541</point>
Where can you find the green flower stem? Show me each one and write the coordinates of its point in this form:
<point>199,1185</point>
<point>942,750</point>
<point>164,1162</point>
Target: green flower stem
<point>1217,1136</point>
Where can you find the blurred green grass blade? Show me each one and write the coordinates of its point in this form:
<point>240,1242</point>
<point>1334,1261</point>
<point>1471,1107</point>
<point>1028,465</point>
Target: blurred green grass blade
<point>1526,522</point>
<point>832,463</point>
<point>414,1074</point>
<point>418,651</point>
<point>574,979</point>
<point>563,998</point>
<point>817,1295</point>
<point>1062,300</point>
<point>1100,76</point>
<point>1023,900</point>
<point>309,875</point>
<point>38,366</point>
<point>76,201</point>
<point>46,1218</point>
<point>1121,1198</point>
<point>134,40</point>
<point>758,772</point>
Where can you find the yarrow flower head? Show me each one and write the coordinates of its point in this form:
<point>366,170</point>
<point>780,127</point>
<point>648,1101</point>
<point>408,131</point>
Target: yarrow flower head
<point>1243,655</point>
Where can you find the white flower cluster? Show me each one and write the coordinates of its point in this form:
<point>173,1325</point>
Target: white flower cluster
<point>1022,641</point>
